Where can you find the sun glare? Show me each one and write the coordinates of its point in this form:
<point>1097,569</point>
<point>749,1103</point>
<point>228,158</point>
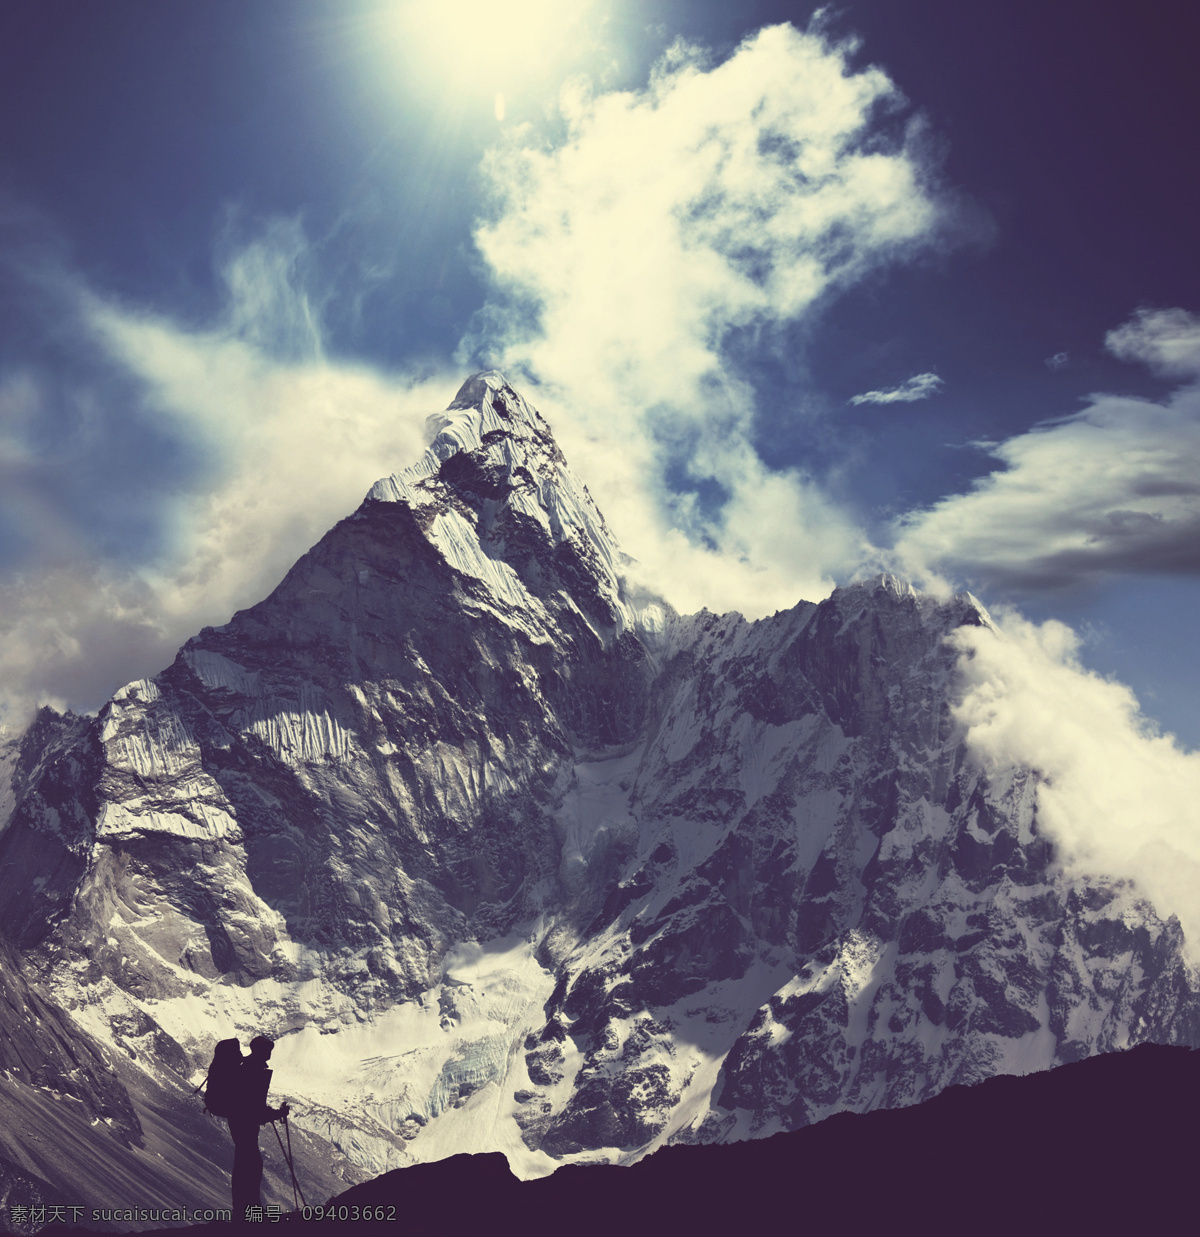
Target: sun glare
<point>489,44</point>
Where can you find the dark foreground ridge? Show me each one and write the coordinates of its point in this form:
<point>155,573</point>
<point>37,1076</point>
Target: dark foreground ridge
<point>1106,1142</point>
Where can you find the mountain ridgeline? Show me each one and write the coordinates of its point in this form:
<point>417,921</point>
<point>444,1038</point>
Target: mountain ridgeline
<point>509,856</point>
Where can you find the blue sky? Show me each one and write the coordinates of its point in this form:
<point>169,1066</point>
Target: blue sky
<point>245,248</point>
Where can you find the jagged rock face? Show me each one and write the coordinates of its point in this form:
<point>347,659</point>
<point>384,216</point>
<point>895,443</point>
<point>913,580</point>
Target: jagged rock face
<point>809,829</point>
<point>48,796</point>
<point>508,855</point>
<point>364,765</point>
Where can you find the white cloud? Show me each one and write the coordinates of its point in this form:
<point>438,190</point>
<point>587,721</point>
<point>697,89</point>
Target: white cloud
<point>301,443</point>
<point>1058,361</point>
<point>293,441</point>
<point>668,227</point>
<point>71,632</point>
<point>1114,797</point>
<point>1167,340</point>
<point>1112,489</point>
<point>269,304</point>
<point>919,386</point>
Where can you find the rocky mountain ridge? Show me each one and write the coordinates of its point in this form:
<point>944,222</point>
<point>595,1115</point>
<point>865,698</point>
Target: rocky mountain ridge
<point>507,855</point>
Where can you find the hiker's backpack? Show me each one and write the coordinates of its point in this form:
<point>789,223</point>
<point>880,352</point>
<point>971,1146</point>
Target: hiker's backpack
<point>221,1086</point>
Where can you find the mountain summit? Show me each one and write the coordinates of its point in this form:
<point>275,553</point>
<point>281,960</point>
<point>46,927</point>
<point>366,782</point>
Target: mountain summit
<point>507,855</point>
<point>496,497</point>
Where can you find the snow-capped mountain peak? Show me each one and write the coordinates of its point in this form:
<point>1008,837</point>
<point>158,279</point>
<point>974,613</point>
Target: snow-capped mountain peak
<point>497,498</point>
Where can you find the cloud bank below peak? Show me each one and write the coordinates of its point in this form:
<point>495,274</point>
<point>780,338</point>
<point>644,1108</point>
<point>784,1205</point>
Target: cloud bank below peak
<point>1114,796</point>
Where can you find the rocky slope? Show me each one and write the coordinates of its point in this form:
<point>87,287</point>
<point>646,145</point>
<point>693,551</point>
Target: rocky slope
<point>508,856</point>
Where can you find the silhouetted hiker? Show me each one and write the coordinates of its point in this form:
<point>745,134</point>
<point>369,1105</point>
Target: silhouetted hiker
<point>249,1111</point>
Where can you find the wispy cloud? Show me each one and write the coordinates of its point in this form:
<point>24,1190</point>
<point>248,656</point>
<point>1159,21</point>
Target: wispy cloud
<point>1113,489</point>
<point>299,444</point>
<point>270,304</point>
<point>1058,361</point>
<point>281,443</point>
<point>1167,340</point>
<point>919,386</point>
<point>672,224</point>
<point>630,260</point>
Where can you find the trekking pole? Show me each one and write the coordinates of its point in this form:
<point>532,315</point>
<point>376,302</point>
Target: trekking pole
<point>287,1129</point>
<point>287,1155</point>
<point>295,1200</point>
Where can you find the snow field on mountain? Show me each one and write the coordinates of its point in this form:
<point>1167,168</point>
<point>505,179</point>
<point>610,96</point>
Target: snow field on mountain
<point>764,752</point>
<point>217,671</point>
<point>10,752</point>
<point>303,734</point>
<point>450,1059</point>
<point>459,543</point>
<point>517,442</point>
<point>152,743</point>
<point>703,1028</point>
<point>594,813</point>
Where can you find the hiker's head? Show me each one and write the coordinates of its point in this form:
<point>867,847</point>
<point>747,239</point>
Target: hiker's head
<point>260,1048</point>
